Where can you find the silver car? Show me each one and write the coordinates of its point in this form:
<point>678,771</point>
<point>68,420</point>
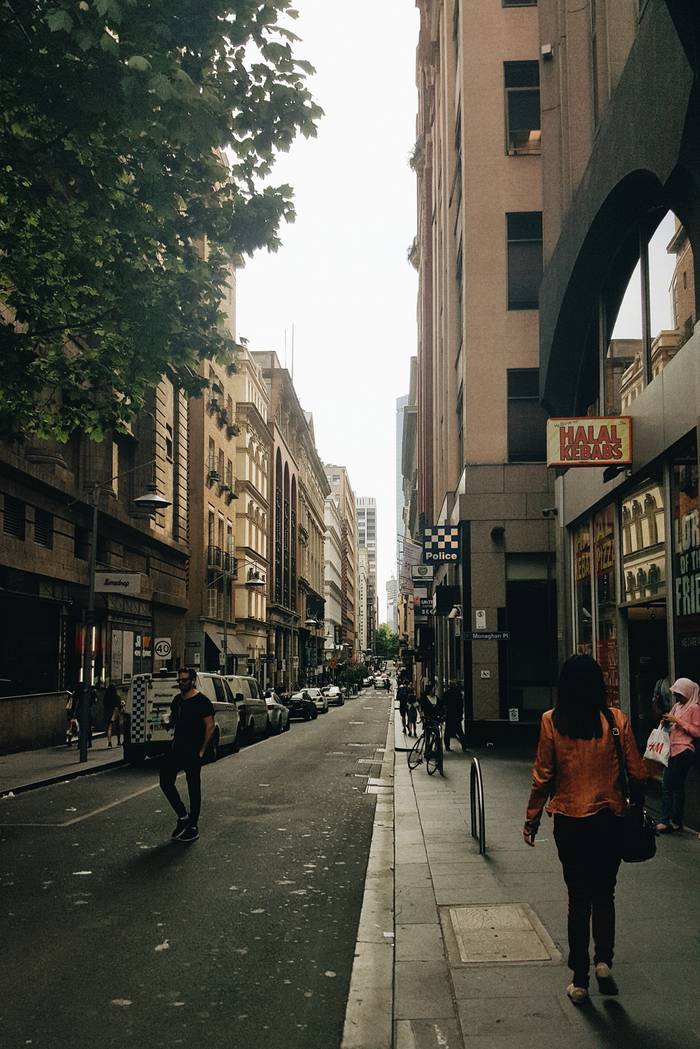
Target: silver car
<point>277,713</point>
<point>318,699</point>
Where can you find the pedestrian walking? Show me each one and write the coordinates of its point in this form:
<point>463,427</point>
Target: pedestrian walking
<point>454,710</point>
<point>577,768</point>
<point>402,696</point>
<point>412,711</point>
<point>192,719</point>
<point>111,705</point>
<point>684,719</point>
<point>72,723</point>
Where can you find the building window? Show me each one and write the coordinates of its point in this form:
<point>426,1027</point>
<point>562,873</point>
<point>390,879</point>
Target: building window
<point>524,229</point>
<point>520,3</point>
<point>13,522</point>
<point>168,443</point>
<point>460,427</point>
<point>43,528</point>
<point>527,420</point>
<point>522,87</point>
<point>81,543</point>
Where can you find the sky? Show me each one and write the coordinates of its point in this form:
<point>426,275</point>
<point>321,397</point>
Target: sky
<point>341,276</point>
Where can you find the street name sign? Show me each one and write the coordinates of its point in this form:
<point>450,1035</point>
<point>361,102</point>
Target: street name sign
<point>487,635</point>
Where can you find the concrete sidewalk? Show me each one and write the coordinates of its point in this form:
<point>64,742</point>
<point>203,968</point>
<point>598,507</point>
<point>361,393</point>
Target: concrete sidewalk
<point>481,940</point>
<point>34,768</point>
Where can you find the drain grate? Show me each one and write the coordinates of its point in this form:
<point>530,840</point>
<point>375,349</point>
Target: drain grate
<point>507,932</point>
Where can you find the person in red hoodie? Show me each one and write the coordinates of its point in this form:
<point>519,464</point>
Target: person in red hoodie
<point>577,774</point>
<point>684,719</point>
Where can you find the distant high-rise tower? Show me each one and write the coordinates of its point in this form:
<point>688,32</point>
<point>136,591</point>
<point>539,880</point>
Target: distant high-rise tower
<point>366,514</point>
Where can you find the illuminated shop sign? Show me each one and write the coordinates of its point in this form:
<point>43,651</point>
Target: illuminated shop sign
<point>586,441</point>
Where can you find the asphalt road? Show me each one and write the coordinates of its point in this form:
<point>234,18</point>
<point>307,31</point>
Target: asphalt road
<point>113,935</point>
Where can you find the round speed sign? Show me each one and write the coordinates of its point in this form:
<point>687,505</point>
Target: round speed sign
<point>163,647</point>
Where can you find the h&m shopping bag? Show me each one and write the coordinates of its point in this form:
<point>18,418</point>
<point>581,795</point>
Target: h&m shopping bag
<point>659,745</point>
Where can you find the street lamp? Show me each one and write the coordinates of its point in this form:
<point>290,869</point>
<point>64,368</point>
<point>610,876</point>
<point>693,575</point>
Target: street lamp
<point>150,503</point>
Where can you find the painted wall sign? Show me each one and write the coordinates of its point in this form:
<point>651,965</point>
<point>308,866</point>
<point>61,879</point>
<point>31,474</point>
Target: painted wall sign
<point>590,441</point>
<point>441,543</point>
<point>118,582</point>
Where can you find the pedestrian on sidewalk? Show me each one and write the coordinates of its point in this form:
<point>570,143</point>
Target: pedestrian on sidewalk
<point>402,696</point>
<point>72,724</point>
<point>454,709</point>
<point>578,770</point>
<point>684,719</point>
<point>192,718</point>
<point>111,705</point>
<point>412,711</point>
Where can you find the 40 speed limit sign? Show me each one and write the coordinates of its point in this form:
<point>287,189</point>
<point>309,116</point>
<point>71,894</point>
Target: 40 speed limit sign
<point>163,647</point>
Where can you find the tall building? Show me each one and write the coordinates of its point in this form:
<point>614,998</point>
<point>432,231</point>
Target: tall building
<point>342,492</point>
<point>253,515</point>
<point>213,501</point>
<point>363,601</point>
<point>391,600</point>
<point>366,510</point>
<point>333,584</point>
<point>401,403</point>
<point>481,469</point>
<point>296,530</point>
<point>620,336</point>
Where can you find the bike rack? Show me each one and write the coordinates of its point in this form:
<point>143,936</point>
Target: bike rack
<point>476,805</point>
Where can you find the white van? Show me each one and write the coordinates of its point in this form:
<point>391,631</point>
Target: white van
<point>148,711</point>
<point>252,708</point>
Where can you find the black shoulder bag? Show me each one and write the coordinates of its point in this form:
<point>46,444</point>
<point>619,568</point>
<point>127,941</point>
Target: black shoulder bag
<point>638,838</point>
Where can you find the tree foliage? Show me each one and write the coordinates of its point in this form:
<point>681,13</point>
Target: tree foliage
<point>386,642</point>
<point>116,117</point>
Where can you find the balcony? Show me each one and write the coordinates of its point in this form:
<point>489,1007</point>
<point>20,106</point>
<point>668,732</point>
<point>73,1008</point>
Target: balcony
<point>215,557</point>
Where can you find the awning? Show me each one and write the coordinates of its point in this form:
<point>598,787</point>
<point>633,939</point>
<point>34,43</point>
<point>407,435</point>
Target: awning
<point>233,644</point>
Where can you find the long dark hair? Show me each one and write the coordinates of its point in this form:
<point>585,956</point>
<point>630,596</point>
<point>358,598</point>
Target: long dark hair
<point>581,698</point>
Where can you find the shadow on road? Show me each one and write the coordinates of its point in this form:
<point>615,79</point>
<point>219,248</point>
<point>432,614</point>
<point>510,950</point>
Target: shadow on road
<point>614,1028</point>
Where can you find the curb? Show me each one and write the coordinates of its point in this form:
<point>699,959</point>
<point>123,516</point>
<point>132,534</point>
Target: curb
<point>369,1016</point>
<point>89,771</point>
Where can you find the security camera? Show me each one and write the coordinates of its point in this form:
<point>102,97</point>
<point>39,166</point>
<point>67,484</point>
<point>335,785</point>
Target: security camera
<point>550,511</point>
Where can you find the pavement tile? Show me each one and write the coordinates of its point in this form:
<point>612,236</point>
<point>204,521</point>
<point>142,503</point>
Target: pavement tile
<point>427,1034</point>
<point>422,991</point>
<point>415,905</point>
<point>510,1016</point>
<point>509,981</point>
<point>411,853</point>
<point>408,874</point>
<point>415,943</point>
<point>446,893</point>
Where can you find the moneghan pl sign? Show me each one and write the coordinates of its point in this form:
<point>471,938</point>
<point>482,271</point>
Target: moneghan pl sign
<point>590,441</point>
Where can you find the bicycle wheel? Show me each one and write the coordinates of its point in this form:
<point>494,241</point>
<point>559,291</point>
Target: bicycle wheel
<point>433,753</point>
<point>415,754</point>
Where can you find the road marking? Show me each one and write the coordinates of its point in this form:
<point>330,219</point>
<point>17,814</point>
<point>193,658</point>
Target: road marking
<point>87,815</point>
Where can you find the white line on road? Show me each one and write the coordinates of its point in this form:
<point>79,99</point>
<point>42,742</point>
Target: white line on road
<point>87,815</point>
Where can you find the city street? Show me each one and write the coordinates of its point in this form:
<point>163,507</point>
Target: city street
<point>115,935</point>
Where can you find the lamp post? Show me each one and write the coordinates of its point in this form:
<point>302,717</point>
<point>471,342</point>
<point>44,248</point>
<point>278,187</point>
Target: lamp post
<point>150,503</point>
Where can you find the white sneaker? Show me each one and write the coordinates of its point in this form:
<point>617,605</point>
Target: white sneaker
<point>578,995</point>
<point>606,980</point>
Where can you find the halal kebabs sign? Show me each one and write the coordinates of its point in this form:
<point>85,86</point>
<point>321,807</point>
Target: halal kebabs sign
<point>590,441</point>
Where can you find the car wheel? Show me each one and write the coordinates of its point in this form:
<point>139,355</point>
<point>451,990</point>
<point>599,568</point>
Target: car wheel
<point>236,741</point>
<point>288,725</point>
<point>307,716</point>
<point>280,726</point>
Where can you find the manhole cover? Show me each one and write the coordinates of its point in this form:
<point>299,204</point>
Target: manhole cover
<point>506,932</point>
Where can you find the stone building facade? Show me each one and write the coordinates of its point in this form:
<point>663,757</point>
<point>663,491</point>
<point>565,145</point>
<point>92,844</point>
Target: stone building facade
<point>480,429</point>
<point>342,492</point>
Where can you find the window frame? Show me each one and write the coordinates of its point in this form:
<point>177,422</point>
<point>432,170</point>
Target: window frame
<point>20,516</point>
<point>525,304</point>
<point>521,89</point>
<point>512,399</point>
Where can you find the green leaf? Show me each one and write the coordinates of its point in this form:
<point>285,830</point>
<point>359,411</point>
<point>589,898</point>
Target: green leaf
<point>57,19</point>
<point>139,64</point>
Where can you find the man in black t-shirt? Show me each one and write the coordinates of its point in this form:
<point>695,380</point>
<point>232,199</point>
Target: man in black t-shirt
<point>192,718</point>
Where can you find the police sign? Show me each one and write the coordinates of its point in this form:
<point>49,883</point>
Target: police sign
<point>441,543</point>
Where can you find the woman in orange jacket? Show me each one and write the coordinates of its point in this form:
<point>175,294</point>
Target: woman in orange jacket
<point>577,769</point>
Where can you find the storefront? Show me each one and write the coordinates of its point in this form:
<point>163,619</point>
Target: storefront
<point>635,582</point>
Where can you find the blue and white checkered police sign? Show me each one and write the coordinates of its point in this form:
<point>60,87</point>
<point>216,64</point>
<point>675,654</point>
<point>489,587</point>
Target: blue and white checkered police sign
<point>441,543</point>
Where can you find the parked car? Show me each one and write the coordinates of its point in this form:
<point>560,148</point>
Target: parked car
<point>252,708</point>
<point>335,696</point>
<point>147,715</point>
<point>277,712</point>
<point>319,699</point>
<point>367,682</point>
<point>301,705</point>
<point>379,681</point>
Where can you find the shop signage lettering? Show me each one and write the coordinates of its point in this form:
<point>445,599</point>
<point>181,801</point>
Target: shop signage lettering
<point>589,442</point>
<point>687,547</point>
<point>441,543</point>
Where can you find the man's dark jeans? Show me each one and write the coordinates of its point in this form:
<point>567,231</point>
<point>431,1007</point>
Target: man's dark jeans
<point>453,730</point>
<point>589,850</point>
<point>191,764</point>
<point>673,787</point>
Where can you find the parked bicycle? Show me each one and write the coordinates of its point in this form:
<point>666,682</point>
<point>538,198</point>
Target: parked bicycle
<point>428,746</point>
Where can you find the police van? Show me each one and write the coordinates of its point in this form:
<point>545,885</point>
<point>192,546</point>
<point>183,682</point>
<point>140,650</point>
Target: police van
<point>146,731</point>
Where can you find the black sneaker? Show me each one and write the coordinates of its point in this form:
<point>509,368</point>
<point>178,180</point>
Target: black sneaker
<point>190,833</point>
<point>182,823</point>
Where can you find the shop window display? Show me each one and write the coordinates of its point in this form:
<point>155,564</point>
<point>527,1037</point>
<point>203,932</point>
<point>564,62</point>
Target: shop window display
<point>686,560</point>
<point>583,590</point>
<point>606,602</point>
<point>644,545</point>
